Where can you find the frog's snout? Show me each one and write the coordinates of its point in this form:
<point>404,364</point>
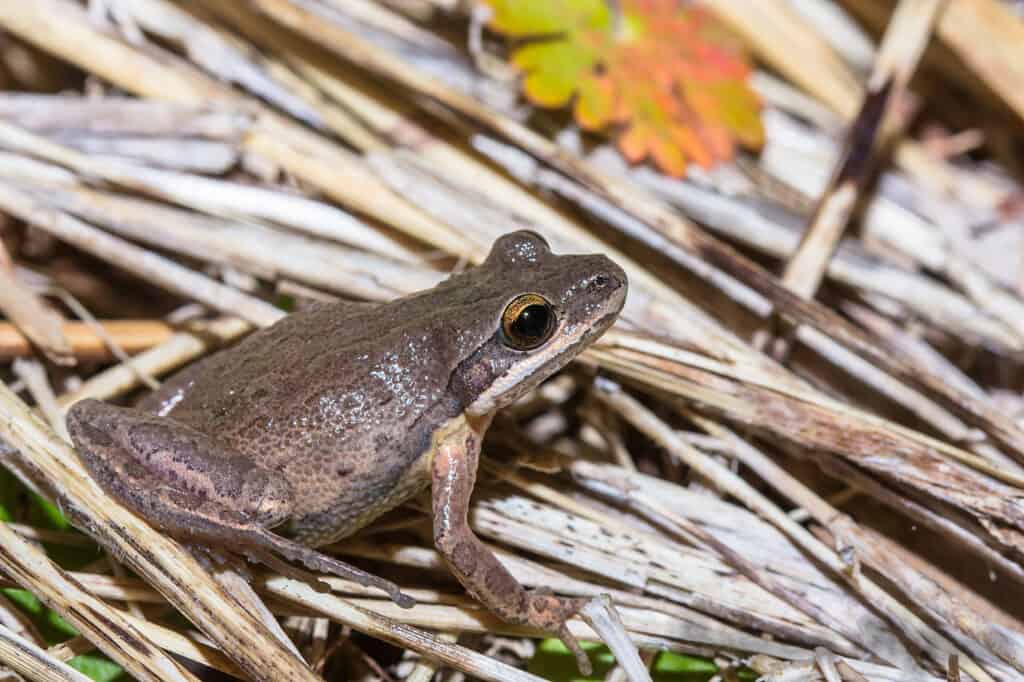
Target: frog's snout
<point>609,282</point>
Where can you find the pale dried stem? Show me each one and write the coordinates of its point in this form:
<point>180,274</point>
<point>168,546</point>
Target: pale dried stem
<point>181,348</point>
<point>425,670</point>
<point>146,264</point>
<point>108,342</point>
<point>600,614</point>
<point>785,41</point>
<point>272,254</point>
<point>28,659</point>
<point>27,311</point>
<point>125,117</point>
<point>676,524</point>
<point>32,373</point>
<point>869,546</point>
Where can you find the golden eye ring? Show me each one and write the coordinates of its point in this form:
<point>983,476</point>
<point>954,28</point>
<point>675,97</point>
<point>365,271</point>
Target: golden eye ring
<point>528,322</point>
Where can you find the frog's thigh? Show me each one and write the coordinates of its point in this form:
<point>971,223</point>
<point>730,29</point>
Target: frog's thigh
<point>189,485</point>
<point>175,476</point>
<point>453,472</point>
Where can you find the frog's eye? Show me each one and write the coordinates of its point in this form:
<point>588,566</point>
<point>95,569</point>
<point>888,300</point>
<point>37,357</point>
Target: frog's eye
<point>528,321</point>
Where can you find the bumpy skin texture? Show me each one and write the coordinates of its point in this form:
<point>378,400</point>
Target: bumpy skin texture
<point>329,418</point>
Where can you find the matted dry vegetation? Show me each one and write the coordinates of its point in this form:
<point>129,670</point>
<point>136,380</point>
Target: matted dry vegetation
<point>803,455</point>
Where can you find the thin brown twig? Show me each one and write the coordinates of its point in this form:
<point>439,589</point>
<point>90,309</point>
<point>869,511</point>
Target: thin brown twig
<point>134,336</point>
<point>905,39</point>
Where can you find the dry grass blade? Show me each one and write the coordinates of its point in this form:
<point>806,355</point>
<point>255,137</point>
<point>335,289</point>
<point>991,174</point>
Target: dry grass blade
<point>342,611</point>
<point>988,642</point>
<point>181,348</point>
<point>674,523</point>
<point>915,585</point>
<point>64,28</point>
<point>780,671</point>
<point>63,115</point>
<point>26,658</point>
<point>988,37</point>
<point>687,374</point>
<point>26,310</point>
<point>255,248</point>
<point>132,258</point>
<point>33,375</point>
<point>989,502</point>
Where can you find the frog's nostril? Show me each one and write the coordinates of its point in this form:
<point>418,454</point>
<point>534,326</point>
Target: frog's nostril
<point>601,280</point>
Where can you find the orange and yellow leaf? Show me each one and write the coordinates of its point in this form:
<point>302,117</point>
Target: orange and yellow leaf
<point>665,75</point>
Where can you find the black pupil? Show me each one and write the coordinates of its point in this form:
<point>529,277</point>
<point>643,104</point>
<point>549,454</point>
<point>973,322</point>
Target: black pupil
<point>532,322</point>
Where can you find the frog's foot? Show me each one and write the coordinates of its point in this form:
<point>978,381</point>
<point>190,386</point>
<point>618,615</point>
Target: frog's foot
<point>547,612</point>
<point>316,561</point>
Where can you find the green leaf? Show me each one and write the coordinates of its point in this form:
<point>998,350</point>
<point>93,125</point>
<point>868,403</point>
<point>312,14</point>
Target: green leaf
<point>526,18</point>
<point>552,70</point>
<point>554,662</point>
<point>53,628</point>
<point>98,667</point>
<point>47,514</point>
<point>24,600</point>
<point>59,627</point>
<point>10,490</point>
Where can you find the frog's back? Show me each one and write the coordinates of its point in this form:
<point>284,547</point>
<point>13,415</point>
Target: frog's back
<point>340,399</point>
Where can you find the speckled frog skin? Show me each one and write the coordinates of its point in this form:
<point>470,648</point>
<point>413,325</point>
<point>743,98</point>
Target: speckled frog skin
<point>325,420</point>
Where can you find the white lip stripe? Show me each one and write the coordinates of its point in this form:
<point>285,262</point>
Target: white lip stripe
<point>522,372</point>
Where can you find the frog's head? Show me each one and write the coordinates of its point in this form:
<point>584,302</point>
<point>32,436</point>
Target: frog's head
<point>536,312</point>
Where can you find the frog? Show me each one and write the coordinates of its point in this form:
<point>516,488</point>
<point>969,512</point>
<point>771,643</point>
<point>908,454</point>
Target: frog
<point>311,428</point>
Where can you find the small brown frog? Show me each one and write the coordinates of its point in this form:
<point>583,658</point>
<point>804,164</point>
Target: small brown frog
<point>317,425</point>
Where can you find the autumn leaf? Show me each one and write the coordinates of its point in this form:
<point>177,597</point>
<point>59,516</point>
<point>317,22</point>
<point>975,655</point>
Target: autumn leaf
<point>663,74</point>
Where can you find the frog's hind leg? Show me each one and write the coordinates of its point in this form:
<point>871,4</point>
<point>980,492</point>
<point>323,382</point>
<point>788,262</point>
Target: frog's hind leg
<point>186,483</point>
<point>217,527</point>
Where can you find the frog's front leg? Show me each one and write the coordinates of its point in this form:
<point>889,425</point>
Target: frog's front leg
<point>453,473</point>
<point>189,485</point>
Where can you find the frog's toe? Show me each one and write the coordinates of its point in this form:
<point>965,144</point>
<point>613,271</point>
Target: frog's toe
<point>582,660</point>
<point>316,561</point>
<point>550,613</point>
<point>268,559</point>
